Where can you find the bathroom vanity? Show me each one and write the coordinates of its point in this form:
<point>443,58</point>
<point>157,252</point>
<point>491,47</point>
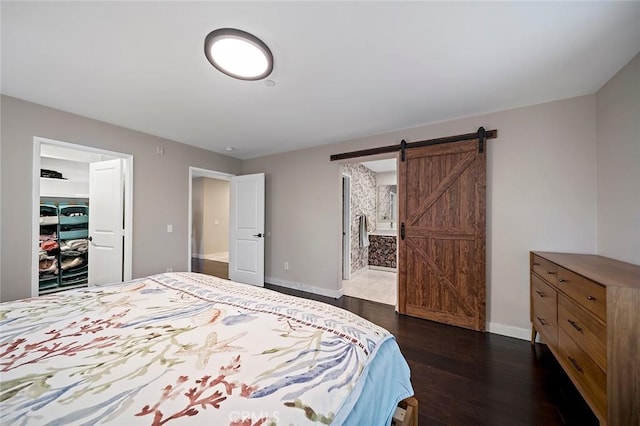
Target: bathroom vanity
<point>383,250</point>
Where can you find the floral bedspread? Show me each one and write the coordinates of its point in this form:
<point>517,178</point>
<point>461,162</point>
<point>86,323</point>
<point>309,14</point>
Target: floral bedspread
<point>179,348</point>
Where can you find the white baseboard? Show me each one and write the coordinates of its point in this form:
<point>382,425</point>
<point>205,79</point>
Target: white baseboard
<point>509,330</point>
<point>199,256</point>
<point>336,294</point>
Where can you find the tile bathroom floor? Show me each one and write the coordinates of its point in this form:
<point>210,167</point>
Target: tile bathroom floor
<point>374,285</point>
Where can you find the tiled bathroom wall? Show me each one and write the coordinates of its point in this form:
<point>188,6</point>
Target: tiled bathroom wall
<point>382,250</point>
<point>363,201</point>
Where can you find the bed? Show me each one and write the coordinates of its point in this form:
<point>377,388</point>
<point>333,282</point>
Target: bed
<point>186,348</point>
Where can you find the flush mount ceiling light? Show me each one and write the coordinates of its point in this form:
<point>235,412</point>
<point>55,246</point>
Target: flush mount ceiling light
<point>238,54</point>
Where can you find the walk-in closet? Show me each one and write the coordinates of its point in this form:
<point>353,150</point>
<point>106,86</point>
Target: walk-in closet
<point>82,217</point>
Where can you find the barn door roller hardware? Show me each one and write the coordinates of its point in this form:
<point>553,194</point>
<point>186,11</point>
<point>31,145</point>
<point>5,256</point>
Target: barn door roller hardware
<point>481,134</point>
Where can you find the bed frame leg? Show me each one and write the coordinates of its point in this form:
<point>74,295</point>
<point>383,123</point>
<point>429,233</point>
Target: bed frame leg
<point>411,417</point>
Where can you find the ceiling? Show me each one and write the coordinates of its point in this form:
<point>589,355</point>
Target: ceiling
<point>342,69</point>
<point>381,166</point>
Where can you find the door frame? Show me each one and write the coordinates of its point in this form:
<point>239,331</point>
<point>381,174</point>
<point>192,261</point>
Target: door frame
<point>340,202</point>
<point>346,226</point>
<point>38,141</point>
<point>193,173</point>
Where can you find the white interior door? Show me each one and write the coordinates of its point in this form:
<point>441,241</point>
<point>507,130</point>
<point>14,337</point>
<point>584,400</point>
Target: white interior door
<point>106,218</point>
<point>246,229</point>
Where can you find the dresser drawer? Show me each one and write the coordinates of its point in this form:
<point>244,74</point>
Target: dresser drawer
<point>586,293</point>
<point>585,329</point>
<point>591,380</point>
<point>544,310</point>
<point>545,269</point>
<point>598,333</point>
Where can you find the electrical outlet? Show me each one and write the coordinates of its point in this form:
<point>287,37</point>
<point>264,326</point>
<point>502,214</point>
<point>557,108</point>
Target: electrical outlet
<point>169,269</point>
<point>286,265</point>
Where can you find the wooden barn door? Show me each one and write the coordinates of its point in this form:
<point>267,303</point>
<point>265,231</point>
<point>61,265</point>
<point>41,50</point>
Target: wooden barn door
<point>442,215</point>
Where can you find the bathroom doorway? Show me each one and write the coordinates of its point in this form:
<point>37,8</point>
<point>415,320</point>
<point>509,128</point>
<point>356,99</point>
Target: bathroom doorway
<point>370,230</point>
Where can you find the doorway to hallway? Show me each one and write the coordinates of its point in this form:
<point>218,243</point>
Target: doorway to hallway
<point>210,223</point>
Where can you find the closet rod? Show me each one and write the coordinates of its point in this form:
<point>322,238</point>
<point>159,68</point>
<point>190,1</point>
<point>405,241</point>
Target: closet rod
<point>488,134</point>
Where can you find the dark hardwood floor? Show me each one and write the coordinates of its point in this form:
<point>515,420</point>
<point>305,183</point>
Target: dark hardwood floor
<point>462,377</point>
<point>210,267</point>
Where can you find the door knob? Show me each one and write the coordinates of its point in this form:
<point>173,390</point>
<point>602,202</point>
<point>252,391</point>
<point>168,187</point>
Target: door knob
<point>258,235</point>
<point>90,238</point>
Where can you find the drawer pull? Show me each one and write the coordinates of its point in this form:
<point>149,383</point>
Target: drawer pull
<point>541,294</point>
<point>576,326</point>
<point>562,280</point>
<point>541,321</point>
<point>536,264</point>
<point>575,365</point>
<point>591,298</point>
<point>551,273</point>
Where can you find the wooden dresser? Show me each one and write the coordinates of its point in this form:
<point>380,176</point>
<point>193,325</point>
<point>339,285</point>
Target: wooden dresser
<point>587,309</point>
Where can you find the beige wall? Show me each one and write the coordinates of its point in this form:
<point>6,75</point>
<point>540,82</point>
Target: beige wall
<point>387,178</point>
<point>211,219</point>
<point>618,154</point>
<point>216,223</point>
<point>541,180</point>
<point>302,218</point>
<point>161,188</point>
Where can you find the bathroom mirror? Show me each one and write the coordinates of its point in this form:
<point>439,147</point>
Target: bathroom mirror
<point>386,203</point>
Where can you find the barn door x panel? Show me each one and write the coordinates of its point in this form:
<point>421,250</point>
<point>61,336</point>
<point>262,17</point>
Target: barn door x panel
<point>442,245</point>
